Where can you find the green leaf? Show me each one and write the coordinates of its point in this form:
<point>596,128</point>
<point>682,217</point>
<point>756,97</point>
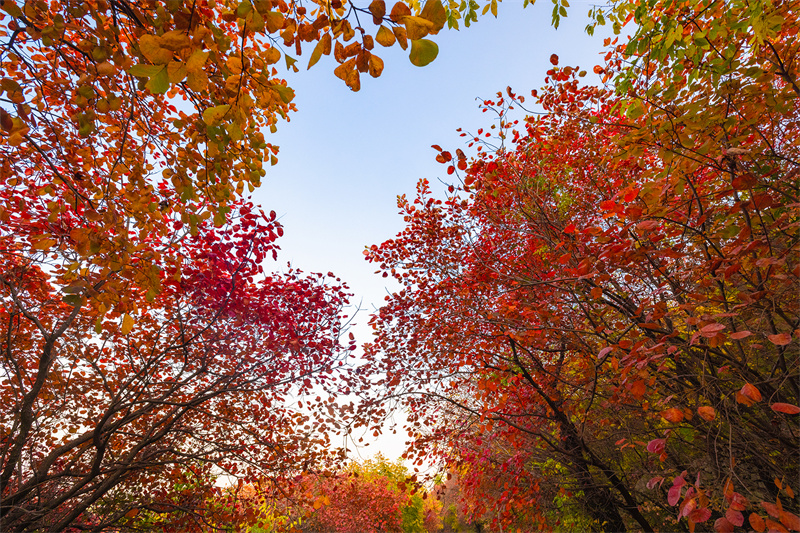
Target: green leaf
<point>145,71</point>
<point>423,51</point>
<point>159,83</point>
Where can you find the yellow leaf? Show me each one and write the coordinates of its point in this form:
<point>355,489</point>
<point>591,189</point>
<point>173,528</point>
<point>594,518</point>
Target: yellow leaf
<point>213,115</point>
<point>150,46</point>
<point>375,66</point>
<point>274,21</point>
<point>176,71</point>
<point>385,37</point>
<point>197,81</point>
<point>319,49</point>
<point>417,27</point>
<point>196,61</point>
<point>44,244</point>
<point>127,324</point>
<point>234,63</point>
<point>175,40</point>
<point>402,38</point>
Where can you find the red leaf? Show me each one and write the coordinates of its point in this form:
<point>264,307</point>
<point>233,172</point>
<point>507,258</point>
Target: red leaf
<point>711,330</point>
<point>647,225</point>
<point>554,59</point>
<point>735,517</point>
<point>781,339</point>
<point>740,335</point>
<point>674,494</point>
<point>723,525</point>
<point>699,516</point>
<point>656,445</point>
<point>787,408</point>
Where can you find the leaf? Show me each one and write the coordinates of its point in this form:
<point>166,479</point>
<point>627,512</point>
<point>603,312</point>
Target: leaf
<point>435,12</point>
<point>385,36</point>
<point>673,495</point>
<point>159,83</point>
<point>656,446</point>
<point>638,389</point>
<point>399,12</point>
<point>44,244</point>
<point>290,62</point>
<point>781,339</point>
<point>141,70</point>
<point>775,526</point>
<point>756,522</point>
<point>286,93</point>
<point>423,52</point>
<point>213,115</point>
<point>786,408</point>
<point>735,517</point>
<point>196,61</point>
<point>175,40</point>
<point>127,324</point>
<point>711,330</point>
<point>417,28</point>
<point>317,53</point>
<point>673,415</point>
<point>378,10</point>
<point>375,66</point>
<point>150,46</point>
<point>402,38</point>
<point>740,335</point>
<point>790,520</point>
<point>699,516</point>
<point>707,413</point>
<point>748,395</point>
<point>723,525</point>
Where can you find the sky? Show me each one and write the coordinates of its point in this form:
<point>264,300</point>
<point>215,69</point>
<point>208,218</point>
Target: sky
<point>345,157</point>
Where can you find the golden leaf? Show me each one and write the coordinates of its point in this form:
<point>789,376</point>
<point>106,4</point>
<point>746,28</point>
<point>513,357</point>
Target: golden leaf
<point>385,37</point>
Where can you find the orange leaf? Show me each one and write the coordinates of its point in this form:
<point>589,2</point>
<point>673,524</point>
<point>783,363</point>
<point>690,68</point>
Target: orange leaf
<point>790,520</point>
<point>706,412</point>
<point>756,522</point>
<point>787,408</point>
<point>637,389</point>
<point>775,526</point>
<point>672,415</point>
<point>750,392</point>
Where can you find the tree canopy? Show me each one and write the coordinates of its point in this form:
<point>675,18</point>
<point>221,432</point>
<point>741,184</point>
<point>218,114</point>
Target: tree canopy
<point>598,324</point>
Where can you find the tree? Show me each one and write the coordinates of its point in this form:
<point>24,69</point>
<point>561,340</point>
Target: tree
<point>611,292</point>
<point>141,337</point>
<point>202,373</point>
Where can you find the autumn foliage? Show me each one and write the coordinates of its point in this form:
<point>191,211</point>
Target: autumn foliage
<point>597,329</point>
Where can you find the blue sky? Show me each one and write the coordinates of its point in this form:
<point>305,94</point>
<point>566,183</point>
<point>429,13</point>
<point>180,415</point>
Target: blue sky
<point>345,157</point>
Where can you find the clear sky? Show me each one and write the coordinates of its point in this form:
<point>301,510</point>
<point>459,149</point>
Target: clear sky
<point>345,157</point>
